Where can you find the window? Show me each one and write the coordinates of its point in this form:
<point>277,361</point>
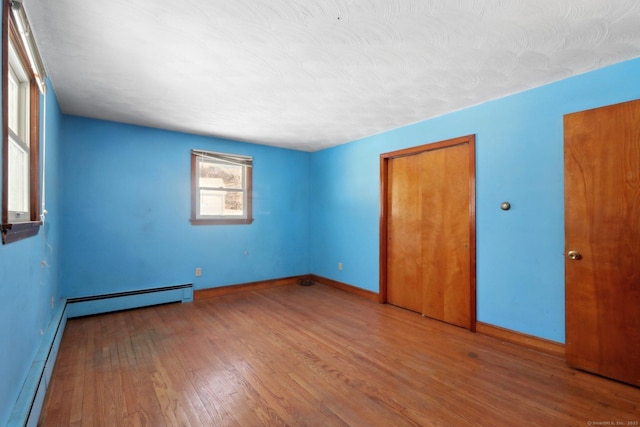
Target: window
<point>18,142</point>
<point>21,78</point>
<point>220,188</point>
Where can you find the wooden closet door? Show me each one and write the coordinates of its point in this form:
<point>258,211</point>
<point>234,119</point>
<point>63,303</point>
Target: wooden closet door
<point>429,218</point>
<point>445,235</point>
<point>405,266</point>
<point>602,237</point>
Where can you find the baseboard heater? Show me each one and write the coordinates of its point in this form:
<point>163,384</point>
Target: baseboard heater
<point>31,398</point>
<point>26,411</point>
<point>96,304</point>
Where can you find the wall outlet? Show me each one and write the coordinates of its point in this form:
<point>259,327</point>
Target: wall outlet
<point>198,272</point>
<point>53,302</point>
<point>339,266</point>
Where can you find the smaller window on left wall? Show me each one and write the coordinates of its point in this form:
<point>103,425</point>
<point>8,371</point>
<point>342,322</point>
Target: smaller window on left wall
<point>22,81</point>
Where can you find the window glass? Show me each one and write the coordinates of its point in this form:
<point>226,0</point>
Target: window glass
<point>18,97</point>
<point>222,188</point>
<point>18,182</point>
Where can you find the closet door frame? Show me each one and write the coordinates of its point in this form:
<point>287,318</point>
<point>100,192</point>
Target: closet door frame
<point>385,158</point>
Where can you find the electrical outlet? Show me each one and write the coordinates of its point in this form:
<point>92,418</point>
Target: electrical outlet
<point>53,302</point>
<point>339,266</point>
<point>198,272</point>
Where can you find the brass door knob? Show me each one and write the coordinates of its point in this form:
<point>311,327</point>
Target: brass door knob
<point>574,255</point>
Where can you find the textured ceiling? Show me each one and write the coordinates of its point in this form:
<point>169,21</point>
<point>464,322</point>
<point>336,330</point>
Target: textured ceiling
<point>309,74</point>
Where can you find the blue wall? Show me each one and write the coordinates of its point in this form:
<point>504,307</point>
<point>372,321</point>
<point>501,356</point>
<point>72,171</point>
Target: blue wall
<point>29,278</point>
<point>519,158</point>
<point>127,204</point>
<point>119,215</point>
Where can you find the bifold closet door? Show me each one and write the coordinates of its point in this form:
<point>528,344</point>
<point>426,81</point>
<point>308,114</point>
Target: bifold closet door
<point>429,234</point>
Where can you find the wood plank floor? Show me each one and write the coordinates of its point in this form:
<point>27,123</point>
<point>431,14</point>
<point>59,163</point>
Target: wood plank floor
<point>312,356</point>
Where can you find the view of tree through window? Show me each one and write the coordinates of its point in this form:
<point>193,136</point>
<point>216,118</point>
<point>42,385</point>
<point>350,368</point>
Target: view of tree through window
<point>220,189</point>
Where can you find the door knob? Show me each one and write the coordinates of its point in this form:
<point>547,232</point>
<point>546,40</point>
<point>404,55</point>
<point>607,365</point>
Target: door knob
<point>574,255</point>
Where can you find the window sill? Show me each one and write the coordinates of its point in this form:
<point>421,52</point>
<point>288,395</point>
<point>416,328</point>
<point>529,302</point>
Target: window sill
<point>19,230</point>
<point>221,221</point>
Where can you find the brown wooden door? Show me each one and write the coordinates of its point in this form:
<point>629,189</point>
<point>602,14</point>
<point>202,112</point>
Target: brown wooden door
<point>602,235</point>
<point>429,231</point>
<point>405,263</point>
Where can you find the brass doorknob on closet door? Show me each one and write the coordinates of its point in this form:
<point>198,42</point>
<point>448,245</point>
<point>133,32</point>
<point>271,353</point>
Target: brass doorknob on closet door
<point>574,255</point>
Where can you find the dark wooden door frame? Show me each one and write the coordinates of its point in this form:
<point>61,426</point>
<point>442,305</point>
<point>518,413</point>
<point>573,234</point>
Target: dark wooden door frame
<point>470,140</point>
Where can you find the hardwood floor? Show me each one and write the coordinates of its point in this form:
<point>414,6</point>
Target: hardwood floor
<point>313,356</point>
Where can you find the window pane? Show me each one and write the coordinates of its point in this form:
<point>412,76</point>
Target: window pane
<point>13,93</point>
<point>221,185</point>
<point>211,202</point>
<point>18,100</point>
<point>221,203</point>
<point>18,179</point>
<point>216,175</point>
<point>233,203</point>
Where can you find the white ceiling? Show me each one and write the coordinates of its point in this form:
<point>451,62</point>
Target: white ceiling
<point>310,74</point>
